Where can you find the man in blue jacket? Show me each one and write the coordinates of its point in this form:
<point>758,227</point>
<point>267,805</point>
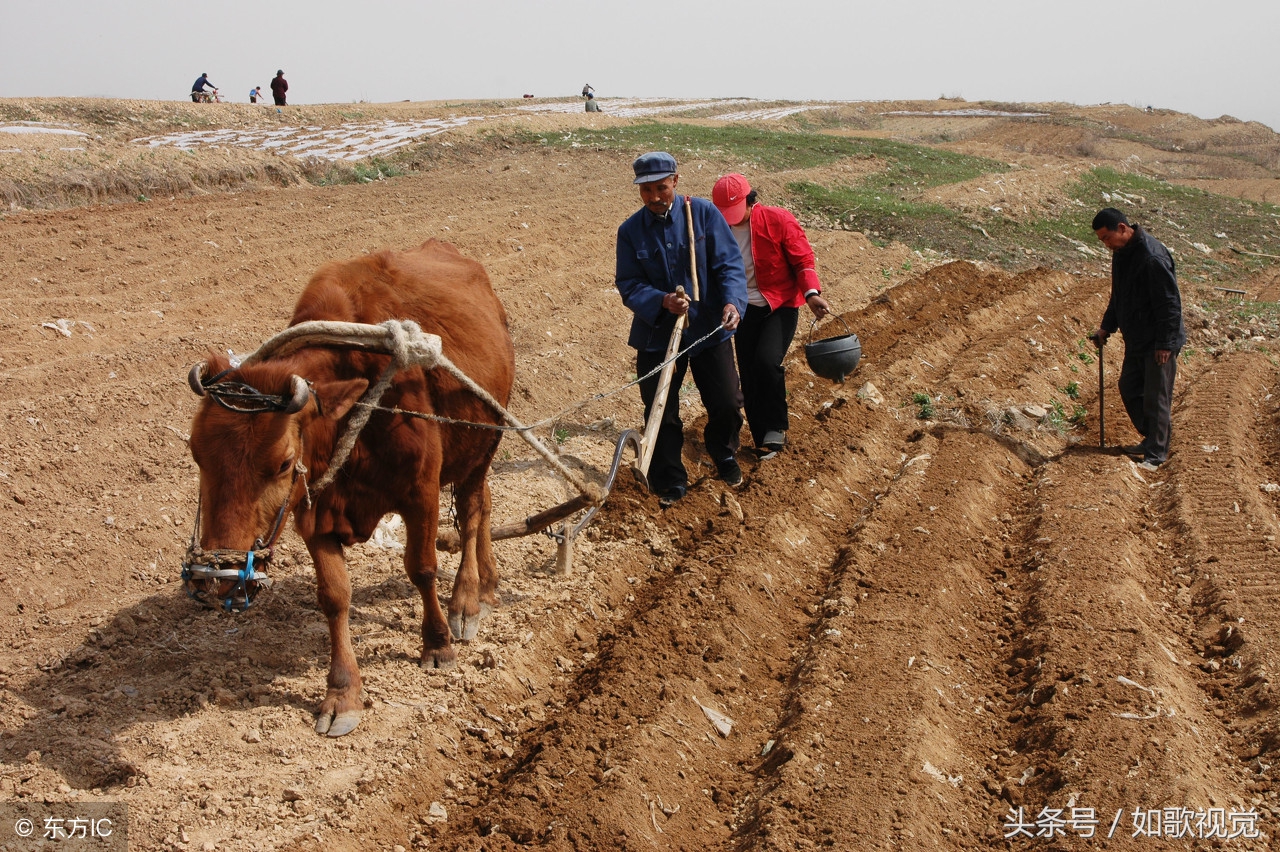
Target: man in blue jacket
<point>653,260</point>
<point>1147,309</point>
<point>197,88</point>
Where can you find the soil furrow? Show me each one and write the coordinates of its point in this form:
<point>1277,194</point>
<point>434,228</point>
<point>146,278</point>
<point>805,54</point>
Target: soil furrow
<point>1230,525</point>
<point>912,608</point>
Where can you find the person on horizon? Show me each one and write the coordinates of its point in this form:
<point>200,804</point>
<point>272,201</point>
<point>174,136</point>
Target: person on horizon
<point>1146,307</point>
<point>254,94</point>
<point>779,266</point>
<point>587,90</point>
<point>591,104</point>
<point>279,85</point>
<point>197,88</point>
<point>653,261</point>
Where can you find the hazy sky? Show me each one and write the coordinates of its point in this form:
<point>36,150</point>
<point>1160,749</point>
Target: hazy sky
<point>1208,59</point>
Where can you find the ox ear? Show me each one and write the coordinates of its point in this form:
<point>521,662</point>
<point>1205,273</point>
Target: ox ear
<point>337,398</point>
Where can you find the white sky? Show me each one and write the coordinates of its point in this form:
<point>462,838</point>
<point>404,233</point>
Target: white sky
<point>1208,59</point>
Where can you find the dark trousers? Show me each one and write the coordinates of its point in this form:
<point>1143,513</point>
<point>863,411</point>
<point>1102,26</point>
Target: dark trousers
<point>1147,390</point>
<point>279,100</point>
<point>762,341</point>
<point>716,378</point>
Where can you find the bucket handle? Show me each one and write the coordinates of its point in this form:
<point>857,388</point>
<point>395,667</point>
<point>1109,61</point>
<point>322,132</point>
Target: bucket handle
<point>814,325</point>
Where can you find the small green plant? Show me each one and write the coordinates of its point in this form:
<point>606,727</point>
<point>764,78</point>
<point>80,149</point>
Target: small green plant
<point>1058,416</point>
<point>925,403</point>
<point>887,273</point>
<point>1072,390</point>
<point>906,266</point>
<point>1078,414</point>
<point>561,434</point>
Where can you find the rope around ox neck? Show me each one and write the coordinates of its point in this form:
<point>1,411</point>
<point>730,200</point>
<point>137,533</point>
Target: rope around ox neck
<point>408,346</point>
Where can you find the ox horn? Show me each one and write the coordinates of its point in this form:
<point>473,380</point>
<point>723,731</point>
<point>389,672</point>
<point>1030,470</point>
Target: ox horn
<point>196,379</point>
<point>301,393</point>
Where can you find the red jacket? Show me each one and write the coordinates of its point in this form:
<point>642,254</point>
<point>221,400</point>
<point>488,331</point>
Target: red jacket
<point>783,257</point>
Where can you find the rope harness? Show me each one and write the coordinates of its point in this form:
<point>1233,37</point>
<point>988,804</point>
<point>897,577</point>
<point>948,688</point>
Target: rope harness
<point>547,421</point>
<point>408,346</point>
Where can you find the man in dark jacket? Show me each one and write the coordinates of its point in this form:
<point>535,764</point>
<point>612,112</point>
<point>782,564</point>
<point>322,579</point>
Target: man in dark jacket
<point>1147,309</point>
<point>278,87</point>
<point>197,88</point>
<point>653,260</point>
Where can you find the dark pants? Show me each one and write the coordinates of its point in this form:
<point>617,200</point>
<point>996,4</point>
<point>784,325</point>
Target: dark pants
<point>716,378</point>
<point>279,100</point>
<point>1147,390</point>
<point>762,342</point>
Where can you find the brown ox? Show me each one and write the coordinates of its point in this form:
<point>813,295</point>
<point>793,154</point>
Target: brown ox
<point>248,460</point>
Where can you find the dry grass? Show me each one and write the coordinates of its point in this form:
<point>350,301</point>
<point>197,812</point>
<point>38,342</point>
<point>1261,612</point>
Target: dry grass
<point>109,165</point>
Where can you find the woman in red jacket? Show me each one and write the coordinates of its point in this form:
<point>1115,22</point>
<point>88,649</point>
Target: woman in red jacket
<point>780,277</point>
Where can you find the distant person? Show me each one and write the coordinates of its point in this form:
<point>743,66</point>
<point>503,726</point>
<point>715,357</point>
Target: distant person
<point>279,85</point>
<point>592,106</point>
<point>653,261</point>
<point>254,94</point>
<point>198,88</point>
<point>781,277</point>
<point>1146,307</point>
<point>587,90</point>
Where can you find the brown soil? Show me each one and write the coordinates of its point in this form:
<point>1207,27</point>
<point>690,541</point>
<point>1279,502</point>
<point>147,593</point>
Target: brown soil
<point>914,625</point>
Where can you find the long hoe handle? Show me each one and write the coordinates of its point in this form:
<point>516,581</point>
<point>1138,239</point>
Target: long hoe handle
<point>1102,401</point>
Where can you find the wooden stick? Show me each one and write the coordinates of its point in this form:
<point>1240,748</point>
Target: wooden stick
<point>693,247</point>
<point>659,406</point>
<point>447,539</point>
<point>1255,253</point>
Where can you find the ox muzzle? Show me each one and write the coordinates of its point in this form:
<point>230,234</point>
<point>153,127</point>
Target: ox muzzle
<point>226,579</point>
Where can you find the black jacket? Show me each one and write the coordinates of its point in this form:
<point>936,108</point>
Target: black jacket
<point>1145,303</point>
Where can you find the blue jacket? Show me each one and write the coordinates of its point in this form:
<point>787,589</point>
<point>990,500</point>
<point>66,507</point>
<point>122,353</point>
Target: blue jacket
<point>1145,303</point>
<point>200,83</point>
<point>653,259</point>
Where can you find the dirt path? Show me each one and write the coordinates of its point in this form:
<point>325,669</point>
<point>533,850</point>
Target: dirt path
<point>917,626</point>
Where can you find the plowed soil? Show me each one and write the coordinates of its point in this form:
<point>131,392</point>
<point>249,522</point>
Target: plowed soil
<point>917,619</point>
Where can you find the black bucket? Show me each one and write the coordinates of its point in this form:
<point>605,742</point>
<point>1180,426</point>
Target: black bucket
<point>835,357</point>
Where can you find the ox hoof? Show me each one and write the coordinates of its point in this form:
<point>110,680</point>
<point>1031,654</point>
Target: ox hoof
<point>440,658</point>
<point>465,627</point>
<point>339,725</point>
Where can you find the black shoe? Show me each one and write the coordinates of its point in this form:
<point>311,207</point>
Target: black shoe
<point>670,496</point>
<point>729,472</point>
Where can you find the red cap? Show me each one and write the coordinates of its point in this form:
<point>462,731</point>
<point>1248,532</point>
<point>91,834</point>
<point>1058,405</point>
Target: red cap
<point>730,195</point>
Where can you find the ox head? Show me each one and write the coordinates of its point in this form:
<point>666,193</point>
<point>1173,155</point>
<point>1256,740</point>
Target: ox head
<point>252,439</point>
